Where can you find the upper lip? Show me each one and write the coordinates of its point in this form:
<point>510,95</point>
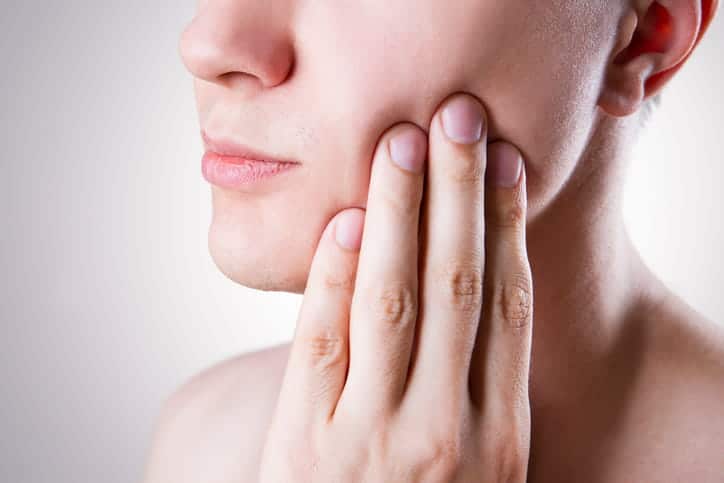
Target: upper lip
<point>227,147</point>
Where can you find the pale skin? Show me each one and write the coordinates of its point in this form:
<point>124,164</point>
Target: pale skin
<point>622,380</point>
<point>357,403</point>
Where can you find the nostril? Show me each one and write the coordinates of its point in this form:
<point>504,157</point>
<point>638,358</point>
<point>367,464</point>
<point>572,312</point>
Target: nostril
<point>235,52</point>
<point>235,80</point>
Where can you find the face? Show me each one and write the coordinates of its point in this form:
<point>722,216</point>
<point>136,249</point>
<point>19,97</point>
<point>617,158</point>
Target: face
<point>319,82</point>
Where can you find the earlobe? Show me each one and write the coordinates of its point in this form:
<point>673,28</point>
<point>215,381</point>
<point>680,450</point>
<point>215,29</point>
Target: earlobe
<point>655,38</point>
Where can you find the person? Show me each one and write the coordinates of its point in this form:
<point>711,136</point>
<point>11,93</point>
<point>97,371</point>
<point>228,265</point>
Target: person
<point>563,359</point>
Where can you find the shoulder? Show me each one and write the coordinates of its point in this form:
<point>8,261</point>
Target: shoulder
<point>676,421</point>
<point>689,345</point>
<point>212,427</point>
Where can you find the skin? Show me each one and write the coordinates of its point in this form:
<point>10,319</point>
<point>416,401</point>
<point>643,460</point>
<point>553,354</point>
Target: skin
<point>625,379</point>
<point>357,396</point>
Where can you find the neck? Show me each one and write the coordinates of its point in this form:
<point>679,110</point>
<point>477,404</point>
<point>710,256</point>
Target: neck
<point>589,281</point>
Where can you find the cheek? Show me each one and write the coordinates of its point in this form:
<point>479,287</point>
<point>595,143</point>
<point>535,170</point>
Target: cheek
<point>358,86</point>
<point>538,103</point>
<point>546,112</point>
<point>541,88</point>
<point>349,91</point>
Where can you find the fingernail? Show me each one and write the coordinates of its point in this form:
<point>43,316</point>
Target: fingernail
<point>504,165</point>
<point>462,120</point>
<point>348,230</point>
<point>407,151</point>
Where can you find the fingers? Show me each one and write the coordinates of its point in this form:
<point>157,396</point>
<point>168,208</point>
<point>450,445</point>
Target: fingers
<point>500,365</point>
<point>318,359</point>
<point>453,253</point>
<point>384,306</point>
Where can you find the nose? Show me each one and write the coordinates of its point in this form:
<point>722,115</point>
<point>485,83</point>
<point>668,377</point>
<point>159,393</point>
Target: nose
<point>236,43</point>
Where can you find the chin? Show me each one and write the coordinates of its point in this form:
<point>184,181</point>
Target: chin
<point>277,263</point>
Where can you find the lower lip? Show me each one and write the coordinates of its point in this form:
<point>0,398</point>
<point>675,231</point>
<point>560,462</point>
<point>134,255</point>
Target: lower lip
<point>234,172</point>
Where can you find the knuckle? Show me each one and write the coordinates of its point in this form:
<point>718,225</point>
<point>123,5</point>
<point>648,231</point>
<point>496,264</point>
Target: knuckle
<point>325,350</point>
<point>466,170</point>
<point>378,445</point>
<point>339,281</point>
<point>297,458</point>
<point>394,304</point>
<point>511,455</point>
<point>442,457</point>
<point>461,285</point>
<point>301,452</point>
<point>400,201</point>
<point>513,299</point>
<point>508,214</point>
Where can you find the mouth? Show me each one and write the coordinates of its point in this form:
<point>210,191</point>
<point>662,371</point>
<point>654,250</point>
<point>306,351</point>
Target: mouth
<point>228,164</point>
<point>232,150</point>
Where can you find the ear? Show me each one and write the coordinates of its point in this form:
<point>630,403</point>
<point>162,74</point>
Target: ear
<point>655,39</point>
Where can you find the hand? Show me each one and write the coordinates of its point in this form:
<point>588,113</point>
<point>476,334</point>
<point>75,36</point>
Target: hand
<point>388,381</point>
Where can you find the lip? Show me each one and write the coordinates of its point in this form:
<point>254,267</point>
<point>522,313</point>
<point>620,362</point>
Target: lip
<point>235,150</point>
<point>228,164</point>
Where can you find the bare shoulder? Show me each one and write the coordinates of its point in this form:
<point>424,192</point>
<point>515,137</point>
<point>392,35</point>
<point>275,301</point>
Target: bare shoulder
<point>687,344</point>
<point>212,427</point>
<point>675,424</point>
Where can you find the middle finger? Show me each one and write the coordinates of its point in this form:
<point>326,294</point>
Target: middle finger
<point>453,250</point>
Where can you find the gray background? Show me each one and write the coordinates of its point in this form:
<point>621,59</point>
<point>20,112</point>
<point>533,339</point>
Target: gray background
<point>109,298</point>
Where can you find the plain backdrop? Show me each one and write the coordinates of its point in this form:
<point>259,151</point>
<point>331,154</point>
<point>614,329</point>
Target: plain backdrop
<point>109,298</point>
